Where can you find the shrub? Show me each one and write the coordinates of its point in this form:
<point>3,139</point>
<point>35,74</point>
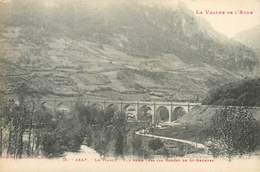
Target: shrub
<point>155,144</point>
<point>233,132</point>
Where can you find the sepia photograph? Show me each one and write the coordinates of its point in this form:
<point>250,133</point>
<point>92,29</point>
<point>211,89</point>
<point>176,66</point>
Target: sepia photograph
<point>129,85</point>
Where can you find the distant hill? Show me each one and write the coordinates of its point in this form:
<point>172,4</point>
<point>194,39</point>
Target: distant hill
<point>124,51</point>
<point>243,93</point>
<point>249,37</point>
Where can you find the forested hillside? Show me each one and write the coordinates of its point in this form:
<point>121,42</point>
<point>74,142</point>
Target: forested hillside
<point>242,93</point>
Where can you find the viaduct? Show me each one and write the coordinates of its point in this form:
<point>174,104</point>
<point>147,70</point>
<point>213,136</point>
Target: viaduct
<point>159,111</point>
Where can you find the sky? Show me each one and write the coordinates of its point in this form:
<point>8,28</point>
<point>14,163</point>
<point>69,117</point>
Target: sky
<point>228,24</point>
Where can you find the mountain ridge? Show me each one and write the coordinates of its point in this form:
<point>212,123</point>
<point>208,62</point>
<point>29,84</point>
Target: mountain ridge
<point>150,52</point>
<point>250,38</point>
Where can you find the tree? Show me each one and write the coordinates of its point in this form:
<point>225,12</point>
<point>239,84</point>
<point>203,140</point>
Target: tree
<point>234,132</point>
<point>43,126</point>
<point>30,126</point>
<point>120,134</point>
<point>119,145</point>
<point>19,117</point>
<point>155,144</point>
<point>137,145</point>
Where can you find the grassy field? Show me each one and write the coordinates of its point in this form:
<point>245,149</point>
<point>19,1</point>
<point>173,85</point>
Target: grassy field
<point>192,132</point>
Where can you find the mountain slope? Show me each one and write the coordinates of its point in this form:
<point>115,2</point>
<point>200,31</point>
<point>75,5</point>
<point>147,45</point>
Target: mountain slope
<point>251,39</point>
<point>124,51</point>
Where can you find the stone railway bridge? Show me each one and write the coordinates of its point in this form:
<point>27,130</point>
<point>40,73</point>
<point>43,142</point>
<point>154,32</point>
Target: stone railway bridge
<point>157,111</point>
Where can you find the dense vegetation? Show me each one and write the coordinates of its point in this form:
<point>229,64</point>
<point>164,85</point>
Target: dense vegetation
<point>31,129</point>
<point>233,132</point>
<point>242,93</point>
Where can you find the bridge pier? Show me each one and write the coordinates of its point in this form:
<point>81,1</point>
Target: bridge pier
<point>137,109</point>
<point>54,109</point>
<point>105,105</point>
<point>71,103</point>
<point>170,113</point>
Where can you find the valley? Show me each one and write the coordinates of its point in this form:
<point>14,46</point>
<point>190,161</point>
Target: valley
<point>125,79</point>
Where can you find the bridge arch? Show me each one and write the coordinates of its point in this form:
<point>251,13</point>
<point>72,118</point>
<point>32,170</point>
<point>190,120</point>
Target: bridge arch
<point>111,110</point>
<point>43,103</point>
<point>177,113</point>
<point>130,111</point>
<point>97,112</point>
<point>144,113</point>
<point>125,107</point>
<point>162,114</point>
<point>64,106</point>
<point>114,106</point>
<point>96,105</point>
